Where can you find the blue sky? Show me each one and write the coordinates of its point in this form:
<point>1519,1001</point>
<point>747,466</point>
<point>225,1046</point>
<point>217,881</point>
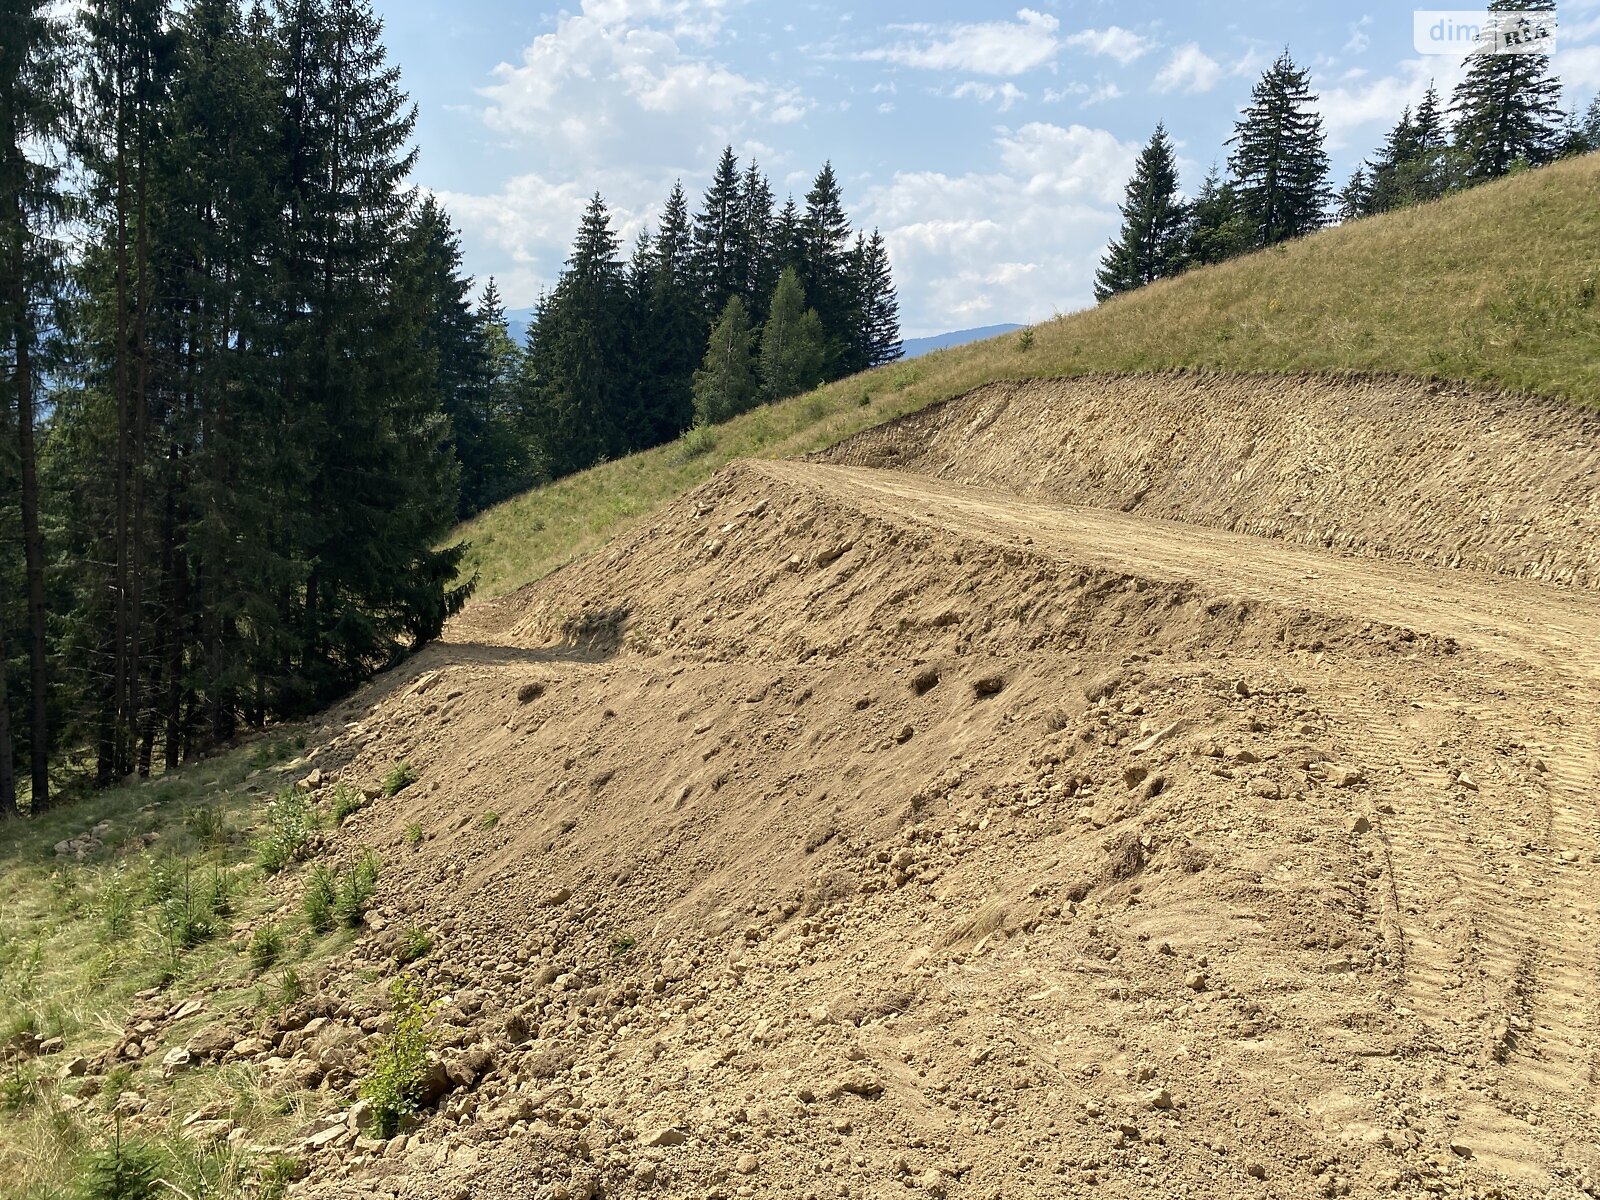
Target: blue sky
<point>989,143</point>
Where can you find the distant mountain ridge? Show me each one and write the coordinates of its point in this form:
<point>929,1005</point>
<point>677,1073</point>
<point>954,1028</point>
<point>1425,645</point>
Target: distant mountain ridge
<point>518,320</point>
<point>916,347</point>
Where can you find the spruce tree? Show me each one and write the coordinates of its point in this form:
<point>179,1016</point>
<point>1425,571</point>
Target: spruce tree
<point>577,363</point>
<point>1355,198</point>
<point>1217,228</point>
<point>1150,245</point>
<point>1589,128</point>
<point>1413,165</point>
<point>718,237</point>
<point>825,270</point>
<point>673,337</point>
<point>757,276</point>
<point>1278,161</point>
<point>726,384</point>
<point>878,305</point>
<point>1508,107</point>
<point>791,342</point>
<point>34,109</point>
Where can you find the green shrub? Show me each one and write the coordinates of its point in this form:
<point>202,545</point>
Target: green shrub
<point>356,888</point>
<point>347,800</point>
<point>18,1088</point>
<point>291,819</point>
<point>489,819</point>
<point>394,1079</point>
<point>696,443</point>
<point>266,946</point>
<point>1025,340</point>
<point>206,825</point>
<point>401,776</point>
<point>414,943</point>
<point>621,945</point>
<point>289,988</point>
<point>414,834</point>
<point>127,1169</point>
<point>317,904</point>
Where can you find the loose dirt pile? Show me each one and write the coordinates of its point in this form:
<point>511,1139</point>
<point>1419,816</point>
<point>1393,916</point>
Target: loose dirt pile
<point>1434,472</point>
<point>850,834</point>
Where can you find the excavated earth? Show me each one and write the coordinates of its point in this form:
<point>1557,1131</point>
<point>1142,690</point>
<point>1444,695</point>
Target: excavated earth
<point>1160,786</point>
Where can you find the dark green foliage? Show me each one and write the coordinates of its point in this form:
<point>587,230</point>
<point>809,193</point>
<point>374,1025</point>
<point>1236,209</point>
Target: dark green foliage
<point>1150,245</point>
<point>1278,163</point>
<point>347,800</point>
<point>127,1169</point>
<point>576,370</point>
<point>1416,162</point>
<point>878,308</point>
<point>825,273</point>
<point>266,946</point>
<point>1508,107</point>
<point>1355,198</point>
<point>791,343</point>
<point>416,942</point>
<point>725,385</point>
<point>1217,228</point>
<point>290,820</point>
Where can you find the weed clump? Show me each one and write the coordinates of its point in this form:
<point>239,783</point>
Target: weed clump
<point>414,944</point>
<point>266,947</point>
<point>414,834</point>
<point>290,822</point>
<point>401,776</point>
<point>347,800</point>
<point>356,888</point>
<point>399,1064</point>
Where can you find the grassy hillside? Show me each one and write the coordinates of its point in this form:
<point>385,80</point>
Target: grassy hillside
<point>1496,286</point>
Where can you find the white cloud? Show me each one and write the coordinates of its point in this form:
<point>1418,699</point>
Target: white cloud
<point>589,81</point>
<point>1114,42</point>
<point>1002,94</point>
<point>1360,39</point>
<point>1190,69</point>
<point>1578,67</point>
<point>982,48</point>
<point>1012,244</point>
<point>1364,107</point>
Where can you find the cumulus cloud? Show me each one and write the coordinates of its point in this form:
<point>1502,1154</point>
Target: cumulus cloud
<point>1113,42</point>
<point>1361,106</point>
<point>589,81</point>
<point>1015,243</point>
<point>1578,67</point>
<point>1190,69</point>
<point>980,48</point>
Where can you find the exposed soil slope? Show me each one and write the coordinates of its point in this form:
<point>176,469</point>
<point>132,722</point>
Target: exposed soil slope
<point>856,834</point>
<point>1439,473</point>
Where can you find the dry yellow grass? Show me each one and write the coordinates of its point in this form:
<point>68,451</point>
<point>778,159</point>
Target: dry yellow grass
<point>1496,286</point>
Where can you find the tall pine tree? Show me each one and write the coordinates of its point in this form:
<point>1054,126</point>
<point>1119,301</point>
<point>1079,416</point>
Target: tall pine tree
<point>577,368</point>
<point>34,110</point>
<point>1508,107</point>
<point>1278,161</point>
<point>1150,245</point>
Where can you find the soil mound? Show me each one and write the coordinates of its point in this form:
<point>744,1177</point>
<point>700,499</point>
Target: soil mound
<point>844,833</point>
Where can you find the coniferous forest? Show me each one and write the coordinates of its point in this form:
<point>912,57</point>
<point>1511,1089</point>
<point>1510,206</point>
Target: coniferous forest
<point>1504,116</point>
<point>248,389</point>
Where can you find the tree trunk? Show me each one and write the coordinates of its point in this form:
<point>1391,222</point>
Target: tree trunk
<point>33,546</point>
<point>8,763</point>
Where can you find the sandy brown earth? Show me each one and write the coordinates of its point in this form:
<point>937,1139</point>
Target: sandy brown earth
<point>864,834</point>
